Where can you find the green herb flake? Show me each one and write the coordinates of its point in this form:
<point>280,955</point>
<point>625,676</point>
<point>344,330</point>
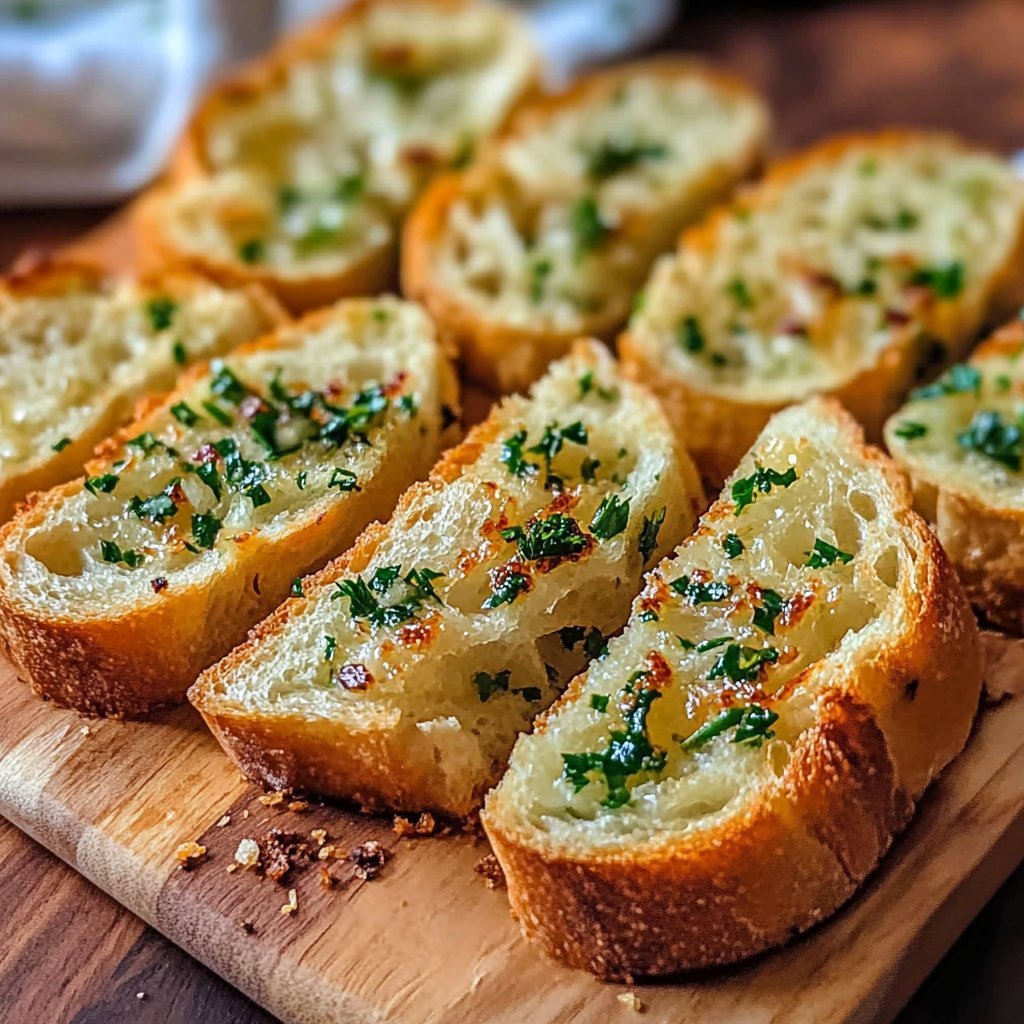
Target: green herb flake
<point>539,272</point>
<point>824,554</point>
<point>59,446</point>
<point>690,335</point>
<point>222,417</point>
<point>957,380</point>
<point>772,606</point>
<point>506,586</point>
<point>752,724</point>
<point>615,155</point>
<point>697,593</point>
<point>761,481</point>
<point>297,587</point>
<point>178,352</point>
<point>611,518</point>
<point>588,227</point>
<point>252,250</point>
<point>556,536</point>
<point>742,664</point>
<point>184,414</point>
<point>161,311</point>
<point>739,292</point>
<point>732,545</point>
<point>910,430</point>
<point>946,280</point>
<point>599,702</point>
<point>104,483</point>
<point>330,646</point>
<point>649,534</point>
<point>205,527</point>
<point>344,480</point>
<point>112,553</point>
<point>990,435</point>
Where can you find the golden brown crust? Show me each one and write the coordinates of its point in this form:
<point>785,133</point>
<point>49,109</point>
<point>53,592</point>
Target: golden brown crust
<point>721,428</point>
<point>127,665</point>
<point>42,274</point>
<point>801,844</point>
<point>502,356</point>
<point>301,289</point>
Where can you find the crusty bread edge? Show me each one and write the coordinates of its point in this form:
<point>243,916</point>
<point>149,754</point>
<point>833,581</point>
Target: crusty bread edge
<point>802,846</point>
<point>48,274</point>
<point>125,666</point>
<point>721,427</point>
<point>506,357</point>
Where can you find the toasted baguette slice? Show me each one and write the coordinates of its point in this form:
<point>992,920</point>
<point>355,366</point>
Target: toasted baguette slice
<point>78,349</point>
<point>661,816</point>
<point>403,675</point>
<point>961,440</point>
<point>117,589</point>
<point>855,268</point>
<point>297,173</point>
<point>552,232</point>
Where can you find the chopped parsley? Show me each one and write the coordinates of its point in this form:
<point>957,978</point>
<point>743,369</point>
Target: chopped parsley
<point>990,435</point>
<point>178,352</point>
<point>146,442</point>
<point>330,646</point>
<point>161,311</point>
<point>752,724</point>
<point>552,442</point>
<point>742,664</point>
<point>343,479</point>
<point>205,527</point>
<point>957,380</point>
<point>697,593</point>
<point>945,279</point>
<point>106,482</point>
<point>772,606</point>
<point>761,481</point>
<point>184,414</point>
<point>222,417</point>
<point>506,587</point>
<point>740,293</point>
<point>59,446</point>
<point>614,155</point>
<point>363,597</point>
<point>690,335</point>
<point>539,272</point>
<point>297,587</point>
<point>586,383</point>
<point>512,455</point>
<point>157,509</point>
<point>599,702</point>
<point>113,554</point>
<point>611,518</point>
<point>252,250</point>
<point>588,227</point>
<point>649,534</point>
<point>732,545</point>
<point>824,554</point>
<point>628,752</point>
<point>588,469</point>
<point>557,536</point>
<point>910,430</point>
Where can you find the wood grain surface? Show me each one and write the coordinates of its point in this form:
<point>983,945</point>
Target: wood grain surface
<point>428,940</point>
<point>67,953</point>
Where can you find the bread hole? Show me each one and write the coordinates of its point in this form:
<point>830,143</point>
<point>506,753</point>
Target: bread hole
<point>864,505</point>
<point>887,567</point>
<point>61,556</point>
<point>778,757</point>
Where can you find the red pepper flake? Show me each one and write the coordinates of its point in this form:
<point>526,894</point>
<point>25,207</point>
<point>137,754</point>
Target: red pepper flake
<point>353,677</point>
<point>158,584</point>
<point>206,454</point>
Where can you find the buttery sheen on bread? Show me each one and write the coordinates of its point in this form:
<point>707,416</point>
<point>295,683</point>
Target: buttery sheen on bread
<point>789,684</point>
<point>857,268</point>
<point>298,172</point>
<point>402,675</point>
<point>961,439</point>
<point>118,588</point>
<point>78,349</point>
<point>551,232</point>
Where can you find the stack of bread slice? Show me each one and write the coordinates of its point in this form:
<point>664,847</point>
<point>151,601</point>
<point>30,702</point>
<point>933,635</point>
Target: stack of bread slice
<point>297,173</point>
<point>118,588</point>
<point>404,672</point>
<point>550,233</point>
<point>856,268</point>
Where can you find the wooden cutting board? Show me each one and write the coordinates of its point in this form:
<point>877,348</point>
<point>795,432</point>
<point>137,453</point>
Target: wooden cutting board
<point>428,941</point>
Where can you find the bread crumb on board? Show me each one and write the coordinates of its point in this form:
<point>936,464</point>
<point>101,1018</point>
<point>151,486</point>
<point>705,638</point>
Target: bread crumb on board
<point>490,870</point>
<point>248,853</point>
<point>293,903</point>
<point>424,825</point>
<point>631,1001</point>
<point>369,859</point>
<point>190,855</point>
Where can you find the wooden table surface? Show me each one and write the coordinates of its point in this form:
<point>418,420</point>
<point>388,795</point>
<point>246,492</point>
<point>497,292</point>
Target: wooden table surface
<point>70,954</point>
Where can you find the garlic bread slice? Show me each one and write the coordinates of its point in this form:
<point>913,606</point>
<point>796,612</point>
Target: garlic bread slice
<point>961,440</point>
<point>118,588</point>
<point>403,674</point>
<point>550,234</point>
<point>298,172</point>
<point>857,268</point>
<point>77,349</point>
<point>790,682</point>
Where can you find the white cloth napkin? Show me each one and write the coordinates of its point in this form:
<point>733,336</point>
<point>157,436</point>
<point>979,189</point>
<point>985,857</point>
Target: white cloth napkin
<point>93,93</point>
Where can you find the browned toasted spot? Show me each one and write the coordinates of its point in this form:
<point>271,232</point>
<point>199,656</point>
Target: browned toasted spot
<point>658,671</point>
<point>418,633</point>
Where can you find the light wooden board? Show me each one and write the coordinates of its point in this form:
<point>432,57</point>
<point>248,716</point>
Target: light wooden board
<point>428,941</point>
